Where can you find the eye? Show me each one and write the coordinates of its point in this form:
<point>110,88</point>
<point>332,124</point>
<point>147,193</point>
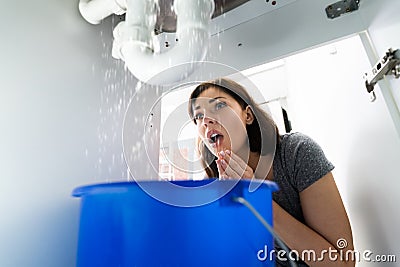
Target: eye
<point>220,105</point>
<point>197,117</point>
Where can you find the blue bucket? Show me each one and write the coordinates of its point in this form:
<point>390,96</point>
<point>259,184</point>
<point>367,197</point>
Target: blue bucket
<point>123,225</point>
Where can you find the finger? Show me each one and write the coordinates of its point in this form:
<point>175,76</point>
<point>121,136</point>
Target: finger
<point>231,173</point>
<point>223,177</point>
<point>236,158</point>
<point>235,165</point>
<point>247,172</point>
<point>221,169</point>
<point>220,165</point>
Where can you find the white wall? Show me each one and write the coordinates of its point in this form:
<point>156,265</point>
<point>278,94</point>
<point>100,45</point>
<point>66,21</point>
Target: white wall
<point>328,101</point>
<point>55,76</point>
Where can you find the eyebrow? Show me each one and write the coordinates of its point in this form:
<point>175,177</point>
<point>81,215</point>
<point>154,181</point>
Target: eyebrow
<point>210,101</point>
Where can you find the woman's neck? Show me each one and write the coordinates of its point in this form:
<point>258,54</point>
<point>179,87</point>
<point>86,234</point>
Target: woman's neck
<point>254,159</point>
<point>261,165</point>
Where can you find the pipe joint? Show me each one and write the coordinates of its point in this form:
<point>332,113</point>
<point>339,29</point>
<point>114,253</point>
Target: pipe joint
<point>94,11</point>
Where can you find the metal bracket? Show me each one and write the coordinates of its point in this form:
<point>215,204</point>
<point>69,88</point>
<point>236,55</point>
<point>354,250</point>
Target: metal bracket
<point>341,7</point>
<point>388,65</point>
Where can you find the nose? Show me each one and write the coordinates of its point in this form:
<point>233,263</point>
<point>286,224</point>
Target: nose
<point>208,121</point>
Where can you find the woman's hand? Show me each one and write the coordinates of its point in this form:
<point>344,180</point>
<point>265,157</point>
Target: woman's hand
<point>231,165</point>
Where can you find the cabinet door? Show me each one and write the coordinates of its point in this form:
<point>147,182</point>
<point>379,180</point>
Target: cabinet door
<point>382,32</point>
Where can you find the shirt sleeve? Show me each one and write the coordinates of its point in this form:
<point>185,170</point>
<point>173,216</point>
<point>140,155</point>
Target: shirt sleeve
<point>306,161</point>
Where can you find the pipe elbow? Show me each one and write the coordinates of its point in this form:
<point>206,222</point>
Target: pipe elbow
<point>94,11</point>
<point>169,67</point>
<point>177,63</point>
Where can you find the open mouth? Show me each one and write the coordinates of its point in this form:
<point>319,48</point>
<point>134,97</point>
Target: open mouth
<point>216,141</point>
<point>215,138</point>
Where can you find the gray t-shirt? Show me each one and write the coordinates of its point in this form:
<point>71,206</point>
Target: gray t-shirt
<point>298,163</point>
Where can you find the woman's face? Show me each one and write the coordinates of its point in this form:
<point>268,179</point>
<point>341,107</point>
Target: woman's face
<point>221,121</point>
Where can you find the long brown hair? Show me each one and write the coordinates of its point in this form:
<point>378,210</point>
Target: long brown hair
<point>263,133</point>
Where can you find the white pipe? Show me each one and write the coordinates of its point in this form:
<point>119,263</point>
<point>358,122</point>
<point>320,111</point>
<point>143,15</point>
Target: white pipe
<point>133,44</point>
<point>94,11</point>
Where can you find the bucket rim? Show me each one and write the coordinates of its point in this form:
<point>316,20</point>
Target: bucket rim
<point>124,186</point>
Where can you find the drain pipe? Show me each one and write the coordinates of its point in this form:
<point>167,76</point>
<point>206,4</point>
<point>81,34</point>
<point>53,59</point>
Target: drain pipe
<point>94,11</point>
<point>133,40</point>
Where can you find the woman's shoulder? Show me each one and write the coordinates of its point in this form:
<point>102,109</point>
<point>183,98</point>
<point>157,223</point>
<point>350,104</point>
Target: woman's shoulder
<point>295,137</point>
<point>295,140</point>
<point>303,159</point>
<point>300,150</point>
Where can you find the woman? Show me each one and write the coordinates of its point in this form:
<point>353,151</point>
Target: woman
<point>237,139</point>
